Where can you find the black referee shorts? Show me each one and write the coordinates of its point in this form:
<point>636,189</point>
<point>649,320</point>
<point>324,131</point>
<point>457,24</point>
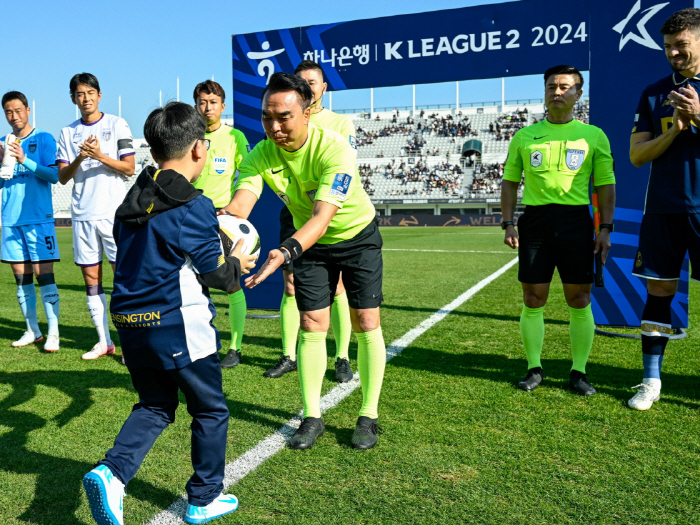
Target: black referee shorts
<point>286,231</point>
<point>556,236</point>
<point>317,271</point>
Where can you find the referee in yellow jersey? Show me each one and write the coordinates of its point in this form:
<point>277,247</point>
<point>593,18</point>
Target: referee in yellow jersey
<point>313,171</point>
<point>557,157</point>
<point>227,149</point>
<point>340,309</point>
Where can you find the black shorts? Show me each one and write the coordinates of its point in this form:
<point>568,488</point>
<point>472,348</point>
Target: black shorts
<point>664,240</point>
<point>556,236</point>
<point>317,271</point>
<point>286,231</point>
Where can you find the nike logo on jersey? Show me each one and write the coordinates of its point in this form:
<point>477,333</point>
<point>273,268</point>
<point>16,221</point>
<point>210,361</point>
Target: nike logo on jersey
<point>538,138</point>
<point>276,172</point>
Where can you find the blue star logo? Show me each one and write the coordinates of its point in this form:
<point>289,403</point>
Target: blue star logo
<point>642,36</point>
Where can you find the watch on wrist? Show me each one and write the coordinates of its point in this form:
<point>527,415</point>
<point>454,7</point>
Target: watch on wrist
<point>610,227</point>
<point>505,224</point>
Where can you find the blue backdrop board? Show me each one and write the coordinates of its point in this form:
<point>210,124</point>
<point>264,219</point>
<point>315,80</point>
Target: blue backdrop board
<point>619,42</point>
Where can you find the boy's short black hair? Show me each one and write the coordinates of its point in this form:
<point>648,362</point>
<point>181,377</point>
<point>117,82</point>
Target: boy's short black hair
<point>281,82</point>
<point>306,65</point>
<point>681,20</point>
<point>565,70</point>
<point>14,95</point>
<point>84,78</point>
<point>171,130</point>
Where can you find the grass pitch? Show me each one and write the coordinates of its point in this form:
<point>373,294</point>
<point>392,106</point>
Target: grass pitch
<point>462,443</point>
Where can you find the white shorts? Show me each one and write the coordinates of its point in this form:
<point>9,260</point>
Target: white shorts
<point>91,239</point>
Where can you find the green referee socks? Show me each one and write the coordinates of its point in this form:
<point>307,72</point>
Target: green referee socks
<point>581,333</point>
<point>289,321</point>
<point>311,363</point>
<point>532,334</point>
<point>371,359</point>
<point>236,315</point>
<point>342,327</point>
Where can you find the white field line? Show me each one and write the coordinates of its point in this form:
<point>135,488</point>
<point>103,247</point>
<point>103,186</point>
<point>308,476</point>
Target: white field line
<point>272,444</point>
<point>441,251</point>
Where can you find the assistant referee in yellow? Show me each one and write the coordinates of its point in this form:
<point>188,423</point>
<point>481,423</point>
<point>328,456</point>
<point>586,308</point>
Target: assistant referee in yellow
<point>558,156</point>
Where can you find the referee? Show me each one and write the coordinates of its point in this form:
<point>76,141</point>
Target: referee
<point>313,172</point>
<point>665,134</point>
<point>227,149</point>
<point>558,156</point>
<point>340,310</point>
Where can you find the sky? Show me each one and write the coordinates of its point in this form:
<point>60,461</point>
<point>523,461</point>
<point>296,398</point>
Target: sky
<point>139,48</point>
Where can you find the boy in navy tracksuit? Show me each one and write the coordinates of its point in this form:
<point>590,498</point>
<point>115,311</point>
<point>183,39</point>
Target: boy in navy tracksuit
<point>168,255</point>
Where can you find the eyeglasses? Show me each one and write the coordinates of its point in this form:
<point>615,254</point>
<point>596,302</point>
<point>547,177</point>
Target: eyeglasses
<point>207,142</point>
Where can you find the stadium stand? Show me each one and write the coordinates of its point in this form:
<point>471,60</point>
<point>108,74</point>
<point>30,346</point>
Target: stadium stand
<point>403,158</point>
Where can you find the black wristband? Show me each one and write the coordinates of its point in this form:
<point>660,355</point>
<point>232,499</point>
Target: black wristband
<point>609,227</point>
<point>505,224</point>
<point>293,247</point>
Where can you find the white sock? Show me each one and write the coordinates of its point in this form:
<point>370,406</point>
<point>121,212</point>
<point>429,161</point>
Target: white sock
<point>97,312</point>
<point>105,319</point>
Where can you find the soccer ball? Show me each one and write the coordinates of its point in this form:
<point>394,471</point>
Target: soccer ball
<point>232,228</point>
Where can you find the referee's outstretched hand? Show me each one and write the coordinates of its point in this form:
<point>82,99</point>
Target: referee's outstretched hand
<point>274,260</point>
<point>511,237</point>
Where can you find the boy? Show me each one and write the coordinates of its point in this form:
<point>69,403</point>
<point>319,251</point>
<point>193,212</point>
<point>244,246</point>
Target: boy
<point>169,252</point>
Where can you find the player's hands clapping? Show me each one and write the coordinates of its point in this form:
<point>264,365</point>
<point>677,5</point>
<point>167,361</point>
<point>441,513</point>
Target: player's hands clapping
<point>274,260</point>
<point>511,238</point>
<point>686,101</point>
<point>91,148</point>
<point>247,261</point>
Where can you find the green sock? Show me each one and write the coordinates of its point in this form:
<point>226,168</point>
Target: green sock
<point>581,333</point>
<point>371,359</point>
<point>289,321</point>
<point>311,363</point>
<point>532,334</point>
<point>342,327</point>
<point>236,316</point>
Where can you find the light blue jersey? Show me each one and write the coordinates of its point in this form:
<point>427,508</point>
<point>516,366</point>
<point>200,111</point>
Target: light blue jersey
<point>26,197</point>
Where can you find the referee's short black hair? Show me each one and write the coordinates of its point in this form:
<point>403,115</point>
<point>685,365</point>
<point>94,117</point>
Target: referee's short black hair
<point>282,82</point>
<point>307,65</point>
<point>14,95</point>
<point>171,130</point>
<point>564,70</point>
<point>84,78</point>
<point>681,20</point>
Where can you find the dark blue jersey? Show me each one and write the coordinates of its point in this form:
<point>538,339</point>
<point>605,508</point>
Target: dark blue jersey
<point>674,182</point>
<point>168,251</point>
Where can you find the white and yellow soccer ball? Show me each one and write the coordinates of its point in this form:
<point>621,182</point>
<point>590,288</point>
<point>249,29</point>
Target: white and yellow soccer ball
<point>232,228</point>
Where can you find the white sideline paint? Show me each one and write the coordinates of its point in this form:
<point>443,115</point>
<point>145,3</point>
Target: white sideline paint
<point>272,444</point>
<point>442,251</point>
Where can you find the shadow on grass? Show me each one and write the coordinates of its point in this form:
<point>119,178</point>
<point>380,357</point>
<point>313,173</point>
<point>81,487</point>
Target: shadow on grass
<point>78,337</point>
<point>58,489</point>
<point>495,317</point>
<point>607,379</point>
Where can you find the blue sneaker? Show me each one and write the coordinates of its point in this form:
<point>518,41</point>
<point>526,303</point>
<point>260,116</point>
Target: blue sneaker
<point>224,504</point>
<point>105,493</point>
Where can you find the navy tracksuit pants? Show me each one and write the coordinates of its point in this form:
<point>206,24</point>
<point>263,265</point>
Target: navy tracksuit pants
<point>200,382</point>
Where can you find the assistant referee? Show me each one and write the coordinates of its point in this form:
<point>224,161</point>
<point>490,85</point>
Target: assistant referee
<point>558,156</point>
<point>312,170</point>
